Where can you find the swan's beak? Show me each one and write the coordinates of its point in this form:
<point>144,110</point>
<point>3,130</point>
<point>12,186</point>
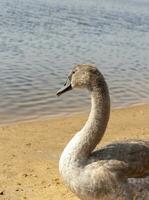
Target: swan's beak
<point>67,87</point>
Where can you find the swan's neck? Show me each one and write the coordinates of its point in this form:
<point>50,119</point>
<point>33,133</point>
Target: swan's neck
<point>96,124</point>
<point>83,143</point>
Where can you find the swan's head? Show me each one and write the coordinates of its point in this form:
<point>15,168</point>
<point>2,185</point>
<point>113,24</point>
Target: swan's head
<point>81,76</point>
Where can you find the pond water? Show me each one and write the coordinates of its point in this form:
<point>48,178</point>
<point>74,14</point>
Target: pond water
<point>41,40</point>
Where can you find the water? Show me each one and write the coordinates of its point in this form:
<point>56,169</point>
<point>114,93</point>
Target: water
<point>40,41</point>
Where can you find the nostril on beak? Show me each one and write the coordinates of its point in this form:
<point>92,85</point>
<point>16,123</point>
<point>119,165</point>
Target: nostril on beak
<point>66,82</point>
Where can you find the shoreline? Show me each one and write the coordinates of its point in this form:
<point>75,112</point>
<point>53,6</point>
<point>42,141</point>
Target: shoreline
<point>29,151</point>
<point>68,114</point>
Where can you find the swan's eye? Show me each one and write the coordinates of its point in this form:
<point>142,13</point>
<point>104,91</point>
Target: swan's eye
<point>73,72</point>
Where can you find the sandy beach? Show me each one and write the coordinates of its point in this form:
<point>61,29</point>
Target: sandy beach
<point>29,151</point>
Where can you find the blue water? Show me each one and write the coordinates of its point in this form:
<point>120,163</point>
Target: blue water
<point>41,40</point>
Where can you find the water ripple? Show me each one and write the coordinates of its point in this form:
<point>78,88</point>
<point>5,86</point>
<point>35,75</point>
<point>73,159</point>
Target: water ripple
<point>40,41</point>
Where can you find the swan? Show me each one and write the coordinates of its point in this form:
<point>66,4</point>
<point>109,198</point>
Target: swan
<point>119,170</point>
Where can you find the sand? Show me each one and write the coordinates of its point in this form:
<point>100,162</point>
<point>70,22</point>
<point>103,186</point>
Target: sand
<point>29,151</point>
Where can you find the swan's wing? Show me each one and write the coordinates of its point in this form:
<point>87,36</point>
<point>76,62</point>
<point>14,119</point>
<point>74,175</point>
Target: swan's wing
<point>129,158</point>
<point>140,187</point>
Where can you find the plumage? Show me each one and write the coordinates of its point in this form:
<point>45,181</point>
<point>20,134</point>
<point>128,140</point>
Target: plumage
<point>118,171</point>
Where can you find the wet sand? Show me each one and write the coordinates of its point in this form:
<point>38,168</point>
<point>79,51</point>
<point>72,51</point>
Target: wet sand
<point>29,151</point>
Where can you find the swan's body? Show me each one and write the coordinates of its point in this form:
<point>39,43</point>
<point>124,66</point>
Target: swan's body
<point>117,171</point>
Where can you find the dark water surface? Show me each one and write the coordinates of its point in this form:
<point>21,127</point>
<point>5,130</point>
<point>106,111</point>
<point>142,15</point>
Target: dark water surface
<point>40,41</point>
